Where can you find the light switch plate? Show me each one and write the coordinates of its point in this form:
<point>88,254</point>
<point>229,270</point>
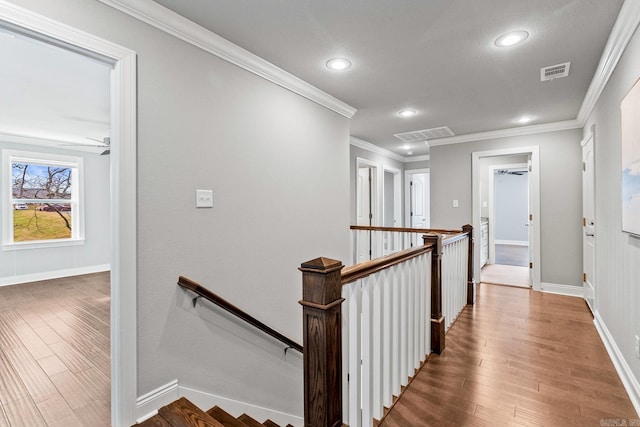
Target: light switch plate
<point>455,203</point>
<point>204,198</point>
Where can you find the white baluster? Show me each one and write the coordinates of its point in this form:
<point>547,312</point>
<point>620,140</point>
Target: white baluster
<point>346,305</point>
<point>387,301</point>
<point>355,341</point>
<point>367,349</point>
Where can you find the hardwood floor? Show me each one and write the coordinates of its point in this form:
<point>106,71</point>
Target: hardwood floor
<point>54,353</point>
<point>517,358</point>
<point>499,274</point>
<point>512,255</point>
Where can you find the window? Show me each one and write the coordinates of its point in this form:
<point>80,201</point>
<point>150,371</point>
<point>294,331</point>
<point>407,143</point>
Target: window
<point>41,198</point>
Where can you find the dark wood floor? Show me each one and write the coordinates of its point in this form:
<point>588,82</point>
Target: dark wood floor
<point>517,358</point>
<point>54,353</point>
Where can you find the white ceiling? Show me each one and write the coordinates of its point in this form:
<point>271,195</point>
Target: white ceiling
<point>435,56</point>
<point>51,93</point>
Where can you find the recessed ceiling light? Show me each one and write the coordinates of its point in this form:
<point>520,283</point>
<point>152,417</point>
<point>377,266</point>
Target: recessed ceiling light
<point>512,38</point>
<point>408,112</point>
<point>524,119</point>
<point>406,147</point>
<point>409,153</point>
<point>338,64</point>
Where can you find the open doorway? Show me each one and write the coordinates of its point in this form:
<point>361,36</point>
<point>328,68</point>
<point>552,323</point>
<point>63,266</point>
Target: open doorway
<point>122,206</point>
<point>506,206</point>
<point>366,208</point>
<point>508,201</point>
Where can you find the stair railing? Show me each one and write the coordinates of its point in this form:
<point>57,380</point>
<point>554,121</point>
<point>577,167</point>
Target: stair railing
<point>205,293</point>
<point>354,364</point>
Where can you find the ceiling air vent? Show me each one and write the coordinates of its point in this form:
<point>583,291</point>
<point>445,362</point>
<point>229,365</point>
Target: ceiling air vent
<point>425,134</point>
<point>554,71</point>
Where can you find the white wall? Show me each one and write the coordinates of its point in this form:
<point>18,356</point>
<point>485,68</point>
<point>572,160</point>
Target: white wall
<point>560,193</point>
<point>277,164</point>
<point>19,266</point>
<point>617,253</point>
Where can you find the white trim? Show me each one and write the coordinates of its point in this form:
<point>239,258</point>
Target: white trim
<point>567,290</point>
<point>206,400</point>
<point>356,142</point>
<point>148,404</point>
<point>629,381</point>
<point>123,200</point>
<point>512,242</point>
<point>360,143</point>
<point>626,24</point>
<point>48,275</point>
<point>397,195</point>
<point>178,26</point>
<point>504,133</point>
<point>534,151</point>
<point>424,158</point>
<point>492,208</point>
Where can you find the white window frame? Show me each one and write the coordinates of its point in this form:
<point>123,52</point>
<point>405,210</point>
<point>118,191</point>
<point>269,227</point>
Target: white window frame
<point>76,201</point>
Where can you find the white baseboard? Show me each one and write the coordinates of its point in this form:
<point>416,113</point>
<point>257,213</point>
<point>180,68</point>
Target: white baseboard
<point>236,408</point>
<point>512,242</point>
<point>48,275</point>
<point>629,381</point>
<point>568,290</point>
<point>148,404</point>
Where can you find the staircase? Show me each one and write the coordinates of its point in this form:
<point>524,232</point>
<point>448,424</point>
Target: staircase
<point>183,413</point>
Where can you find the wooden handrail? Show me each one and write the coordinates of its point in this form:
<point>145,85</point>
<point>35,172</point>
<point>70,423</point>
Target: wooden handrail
<point>405,230</point>
<point>358,271</point>
<point>449,239</point>
<point>195,287</point>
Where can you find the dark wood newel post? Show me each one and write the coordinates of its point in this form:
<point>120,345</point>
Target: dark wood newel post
<point>322,342</point>
<point>437,319</point>
<point>471,282</point>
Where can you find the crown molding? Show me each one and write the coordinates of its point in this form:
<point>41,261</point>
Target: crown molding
<point>623,29</point>
<point>505,133</point>
<point>360,143</point>
<point>417,158</point>
<point>178,26</point>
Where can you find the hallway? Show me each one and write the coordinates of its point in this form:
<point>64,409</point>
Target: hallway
<point>517,358</point>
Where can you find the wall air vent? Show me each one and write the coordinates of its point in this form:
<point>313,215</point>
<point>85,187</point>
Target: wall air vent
<point>425,134</point>
<point>554,71</point>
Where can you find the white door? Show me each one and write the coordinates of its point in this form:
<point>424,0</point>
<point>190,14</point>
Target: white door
<point>588,220</point>
<point>419,200</point>
<point>364,213</point>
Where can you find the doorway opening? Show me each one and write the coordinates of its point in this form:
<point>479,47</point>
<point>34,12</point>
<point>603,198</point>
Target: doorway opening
<point>367,207</point>
<point>507,223</point>
<point>122,209</point>
<point>506,215</point>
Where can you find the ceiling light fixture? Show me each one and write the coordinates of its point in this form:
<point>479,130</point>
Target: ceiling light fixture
<point>511,39</point>
<point>408,112</point>
<point>524,119</point>
<point>406,147</point>
<point>338,64</point>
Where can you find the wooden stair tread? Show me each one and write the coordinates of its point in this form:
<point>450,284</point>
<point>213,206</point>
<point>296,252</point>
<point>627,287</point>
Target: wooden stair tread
<point>250,422</point>
<point>183,413</point>
<point>155,421</point>
<point>225,418</point>
<point>269,423</point>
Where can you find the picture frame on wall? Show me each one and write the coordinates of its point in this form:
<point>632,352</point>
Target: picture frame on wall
<point>630,136</point>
